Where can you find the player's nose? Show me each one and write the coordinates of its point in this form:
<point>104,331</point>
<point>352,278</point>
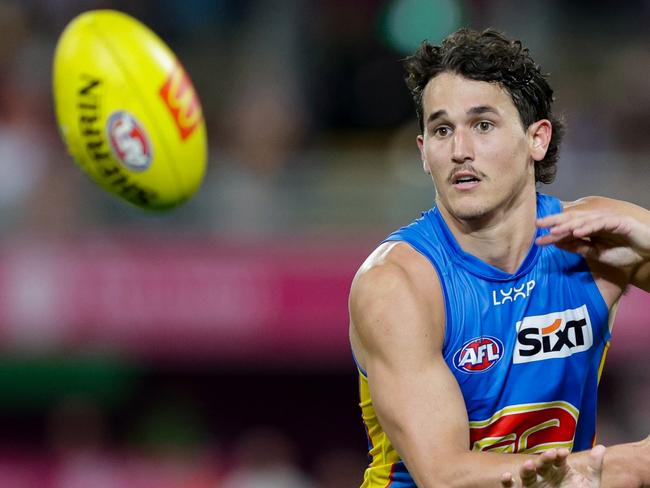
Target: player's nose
<point>462,149</point>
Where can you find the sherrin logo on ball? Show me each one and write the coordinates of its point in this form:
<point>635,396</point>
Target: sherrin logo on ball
<point>127,110</point>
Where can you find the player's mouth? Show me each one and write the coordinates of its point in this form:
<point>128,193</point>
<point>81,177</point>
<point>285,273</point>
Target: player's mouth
<point>465,180</point>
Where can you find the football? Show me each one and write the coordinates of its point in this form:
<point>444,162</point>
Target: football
<point>127,110</point>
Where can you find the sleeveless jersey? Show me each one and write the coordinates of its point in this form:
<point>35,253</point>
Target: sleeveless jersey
<point>527,348</point>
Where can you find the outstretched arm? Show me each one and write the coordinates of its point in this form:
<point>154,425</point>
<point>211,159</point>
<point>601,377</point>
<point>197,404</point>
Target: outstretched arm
<point>397,332</point>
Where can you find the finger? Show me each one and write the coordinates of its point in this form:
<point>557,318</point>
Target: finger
<point>567,225</point>
<point>545,462</point>
<point>562,455</point>
<point>567,214</point>
<point>560,458</point>
<point>528,473</point>
<point>553,466</point>
<point>581,223</point>
<point>560,218</point>
<point>561,463</point>
<point>507,481</point>
<point>555,219</point>
<point>602,224</point>
<point>584,225</point>
<point>595,465</point>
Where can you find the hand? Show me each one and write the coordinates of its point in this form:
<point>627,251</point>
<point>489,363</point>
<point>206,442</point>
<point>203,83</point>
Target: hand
<point>551,470</point>
<point>612,236</point>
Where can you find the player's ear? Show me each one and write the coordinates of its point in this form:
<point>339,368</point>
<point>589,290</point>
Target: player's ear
<point>539,137</point>
<point>425,166</point>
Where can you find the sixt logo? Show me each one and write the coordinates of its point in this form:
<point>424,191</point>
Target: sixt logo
<point>555,335</point>
<point>129,141</point>
<point>478,355</point>
<point>182,101</point>
<point>511,294</point>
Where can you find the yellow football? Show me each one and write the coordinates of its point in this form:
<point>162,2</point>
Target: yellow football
<point>128,111</point>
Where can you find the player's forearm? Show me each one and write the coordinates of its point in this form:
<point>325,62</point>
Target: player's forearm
<point>625,466</point>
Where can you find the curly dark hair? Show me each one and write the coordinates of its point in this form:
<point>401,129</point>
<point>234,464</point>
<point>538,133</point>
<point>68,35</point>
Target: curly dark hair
<point>490,56</point>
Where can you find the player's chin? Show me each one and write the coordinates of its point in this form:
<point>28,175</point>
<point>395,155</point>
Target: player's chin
<point>471,216</point>
<point>469,212</point>
<point>468,207</point>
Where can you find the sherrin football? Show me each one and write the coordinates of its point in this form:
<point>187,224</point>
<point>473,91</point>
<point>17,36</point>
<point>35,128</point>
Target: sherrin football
<point>128,111</point>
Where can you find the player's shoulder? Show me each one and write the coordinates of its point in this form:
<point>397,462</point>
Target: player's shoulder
<point>391,254</point>
<point>395,299</point>
<point>390,261</point>
<point>392,269</point>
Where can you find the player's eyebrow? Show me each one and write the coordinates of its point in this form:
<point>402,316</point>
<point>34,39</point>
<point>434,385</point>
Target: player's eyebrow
<point>436,115</point>
<point>482,109</point>
<point>479,110</point>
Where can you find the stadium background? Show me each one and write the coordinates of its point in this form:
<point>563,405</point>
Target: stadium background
<point>208,346</point>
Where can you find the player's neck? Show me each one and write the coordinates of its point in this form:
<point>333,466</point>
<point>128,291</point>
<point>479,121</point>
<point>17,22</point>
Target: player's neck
<point>502,238</point>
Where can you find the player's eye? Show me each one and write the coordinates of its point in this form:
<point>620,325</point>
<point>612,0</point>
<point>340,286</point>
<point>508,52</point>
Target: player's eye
<point>442,131</point>
<point>484,126</point>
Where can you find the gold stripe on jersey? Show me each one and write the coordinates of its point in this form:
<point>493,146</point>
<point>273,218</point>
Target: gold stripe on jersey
<point>382,453</point>
<point>602,360</point>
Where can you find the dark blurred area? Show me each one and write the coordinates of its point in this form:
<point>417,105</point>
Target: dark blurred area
<point>207,347</point>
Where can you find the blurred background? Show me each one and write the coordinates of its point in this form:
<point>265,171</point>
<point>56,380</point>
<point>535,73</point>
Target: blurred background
<point>208,347</point>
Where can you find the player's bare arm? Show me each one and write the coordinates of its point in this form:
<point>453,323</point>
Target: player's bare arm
<point>613,234</point>
<point>397,336</point>
<point>397,333</point>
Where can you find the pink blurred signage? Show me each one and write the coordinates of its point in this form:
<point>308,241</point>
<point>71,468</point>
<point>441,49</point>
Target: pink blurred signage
<point>198,298</point>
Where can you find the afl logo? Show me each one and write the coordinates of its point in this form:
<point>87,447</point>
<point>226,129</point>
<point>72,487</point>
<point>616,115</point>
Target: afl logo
<point>478,355</point>
<point>129,141</point>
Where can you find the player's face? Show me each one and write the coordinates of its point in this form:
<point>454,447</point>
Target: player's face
<point>475,147</point>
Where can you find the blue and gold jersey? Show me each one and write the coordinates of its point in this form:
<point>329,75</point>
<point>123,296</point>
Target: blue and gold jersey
<point>527,348</point>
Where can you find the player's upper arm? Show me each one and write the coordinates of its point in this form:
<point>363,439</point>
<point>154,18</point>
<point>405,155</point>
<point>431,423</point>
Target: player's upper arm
<point>397,332</point>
